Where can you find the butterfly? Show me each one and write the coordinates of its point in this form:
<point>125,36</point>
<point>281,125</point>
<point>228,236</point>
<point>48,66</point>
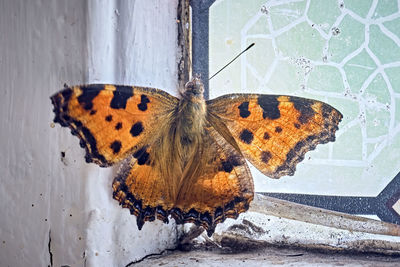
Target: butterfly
<point>186,157</point>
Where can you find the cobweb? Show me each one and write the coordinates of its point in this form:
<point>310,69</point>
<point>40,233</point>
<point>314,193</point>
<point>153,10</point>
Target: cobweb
<point>346,53</point>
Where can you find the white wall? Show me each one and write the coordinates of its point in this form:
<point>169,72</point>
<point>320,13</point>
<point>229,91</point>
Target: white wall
<point>45,44</point>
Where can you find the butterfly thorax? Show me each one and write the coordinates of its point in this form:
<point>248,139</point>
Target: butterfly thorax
<point>191,114</point>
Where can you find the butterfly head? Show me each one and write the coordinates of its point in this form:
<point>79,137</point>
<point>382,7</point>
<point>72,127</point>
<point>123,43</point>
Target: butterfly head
<point>194,88</point>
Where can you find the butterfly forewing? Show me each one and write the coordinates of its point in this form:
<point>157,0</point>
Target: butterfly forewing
<point>110,120</point>
<point>275,132</point>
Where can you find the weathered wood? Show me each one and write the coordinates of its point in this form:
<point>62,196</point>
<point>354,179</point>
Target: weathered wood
<point>294,211</point>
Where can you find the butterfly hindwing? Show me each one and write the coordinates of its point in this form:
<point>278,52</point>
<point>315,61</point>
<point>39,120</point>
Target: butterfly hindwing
<point>274,132</point>
<point>216,185</point>
<point>142,188</point>
<point>111,120</point>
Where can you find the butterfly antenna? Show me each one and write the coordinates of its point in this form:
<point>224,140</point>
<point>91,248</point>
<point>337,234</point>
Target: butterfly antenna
<point>250,46</point>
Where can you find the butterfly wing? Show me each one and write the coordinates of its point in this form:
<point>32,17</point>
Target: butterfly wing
<point>274,132</point>
<point>216,184</point>
<point>143,188</point>
<point>112,121</point>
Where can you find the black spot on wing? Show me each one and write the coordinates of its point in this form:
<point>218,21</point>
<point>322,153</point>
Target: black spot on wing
<point>142,156</point>
<point>143,103</point>
<point>244,110</point>
<point>108,118</point>
<point>266,156</point>
<point>118,126</point>
<point>88,94</point>
<point>116,146</point>
<point>270,106</point>
<point>278,129</point>
<point>136,129</point>
<point>121,96</point>
<point>231,162</point>
<point>304,106</point>
<point>266,136</point>
<point>93,111</point>
<point>246,136</point>
<point>296,125</point>
<point>226,166</point>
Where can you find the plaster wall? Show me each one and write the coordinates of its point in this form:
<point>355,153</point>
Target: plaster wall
<point>59,210</point>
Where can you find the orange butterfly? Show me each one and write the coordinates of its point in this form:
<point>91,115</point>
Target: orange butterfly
<point>186,157</point>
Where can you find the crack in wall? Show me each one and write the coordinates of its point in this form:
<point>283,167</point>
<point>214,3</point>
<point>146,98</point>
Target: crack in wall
<point>149,255</point>
<point>49,249</point>
<point>183,244</point>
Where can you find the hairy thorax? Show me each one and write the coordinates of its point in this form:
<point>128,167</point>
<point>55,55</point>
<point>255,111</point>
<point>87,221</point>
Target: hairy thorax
<point>184,138</point>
